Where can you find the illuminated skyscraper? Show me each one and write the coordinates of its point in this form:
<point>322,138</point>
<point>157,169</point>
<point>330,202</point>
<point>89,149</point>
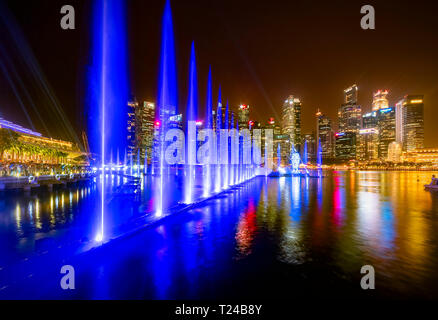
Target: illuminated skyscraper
<point>131,127</point>
<point>350,122</point>
<point>368,144</point>
<point>386,127</point>
<point>369,120</point>
<point>350,95</point>
<point>291,122</point>
<point>399,122</point>
<point>243,116</point>
<point>325,136</point>
<point>379,100</point>
<point>350,113</point>
<point>345,148</point>
<point>413,122</point>
<point>145,128</point>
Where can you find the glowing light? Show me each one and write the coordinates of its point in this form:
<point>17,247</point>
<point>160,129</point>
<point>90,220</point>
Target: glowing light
<point>98,238</point>
<point>416,101</point>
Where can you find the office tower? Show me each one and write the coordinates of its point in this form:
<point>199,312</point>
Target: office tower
<point>272,124</point>
<point>345,148</point>
<point>379,100</point>
<point>291,121</point>
<point>243,116</point>
<point>145,119</point>
<point>131,127</point>
<point>350,113</point>
<point>350,95</point>
<point>350,122</point>
<point>394,152</point>
<point>399,122</point>
<point>386,127</point>
<point>369,120</point>
<point>350,118</point>
<point>368,144</point>
<point>413,122</point>
<point>325,136</point>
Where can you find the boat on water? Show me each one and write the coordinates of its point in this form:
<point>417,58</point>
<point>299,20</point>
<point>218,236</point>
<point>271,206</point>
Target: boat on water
<point>433,185</point>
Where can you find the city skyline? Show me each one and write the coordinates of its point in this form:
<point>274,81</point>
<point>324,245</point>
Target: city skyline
<point>259,84</point>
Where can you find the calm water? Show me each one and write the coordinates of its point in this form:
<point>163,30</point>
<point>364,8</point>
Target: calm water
<point>271,237</point>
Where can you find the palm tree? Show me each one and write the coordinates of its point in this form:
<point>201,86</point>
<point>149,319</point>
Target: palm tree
<point>8,139</point>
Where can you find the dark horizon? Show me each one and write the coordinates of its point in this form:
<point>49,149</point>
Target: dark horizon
<point>259,53</point>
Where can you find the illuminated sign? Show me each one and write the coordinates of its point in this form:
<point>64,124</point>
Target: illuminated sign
<point>416,101</point>
<point>386,110</point>
<point>369,130</point>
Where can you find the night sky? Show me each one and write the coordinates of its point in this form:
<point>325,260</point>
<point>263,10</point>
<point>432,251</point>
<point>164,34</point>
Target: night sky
<point>260,52</point>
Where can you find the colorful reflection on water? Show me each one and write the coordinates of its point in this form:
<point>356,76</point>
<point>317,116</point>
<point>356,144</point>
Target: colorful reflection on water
<point>271,237</point>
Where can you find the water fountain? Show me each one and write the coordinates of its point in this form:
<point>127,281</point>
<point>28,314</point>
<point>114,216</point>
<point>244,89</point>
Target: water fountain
<point>319,158</point>
<point>192,107</point>
<point>218,129</point>
<point>167,97</point>
<point>208,126</point>
<point>108,88</point>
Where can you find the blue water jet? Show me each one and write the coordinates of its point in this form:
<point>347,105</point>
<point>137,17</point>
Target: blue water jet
<point>192,107</point>
<point>167,96</point>
<point>208,125</point>
<point>107,88</point>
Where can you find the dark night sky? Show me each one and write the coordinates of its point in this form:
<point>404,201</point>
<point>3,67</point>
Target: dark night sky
<point>260,51</point>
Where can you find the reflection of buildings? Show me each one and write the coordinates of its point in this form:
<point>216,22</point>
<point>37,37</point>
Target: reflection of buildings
<point>325,136</point>
<point>291,124</point>
<point>19,144</point>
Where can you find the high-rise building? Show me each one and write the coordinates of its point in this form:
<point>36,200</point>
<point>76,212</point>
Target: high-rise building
<point>145,128</point>
<point>413,122</point>
<point>292,120</point>
<point>350,113</point>
<point>368,144</point>
<point>141,120</point>
<point>379,100</point>
<point>345,148</point>
<point>350,95</point>
<point>369,120</point>
<point>350,122</point>
<point>394,152</point>
<point>350,118</point>
<point>325,136</point>
<point>399,122</point>
<point>243,116</point>
<point>386,127</point>
<point>131,127</point>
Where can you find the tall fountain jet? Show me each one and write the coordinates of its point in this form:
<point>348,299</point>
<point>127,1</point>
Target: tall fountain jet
<point>192,107</point>
<point>208,125</point>
<point>319,157</point>
<point>167,95</point>
<point>218,129</point>
<point>107,87</point>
